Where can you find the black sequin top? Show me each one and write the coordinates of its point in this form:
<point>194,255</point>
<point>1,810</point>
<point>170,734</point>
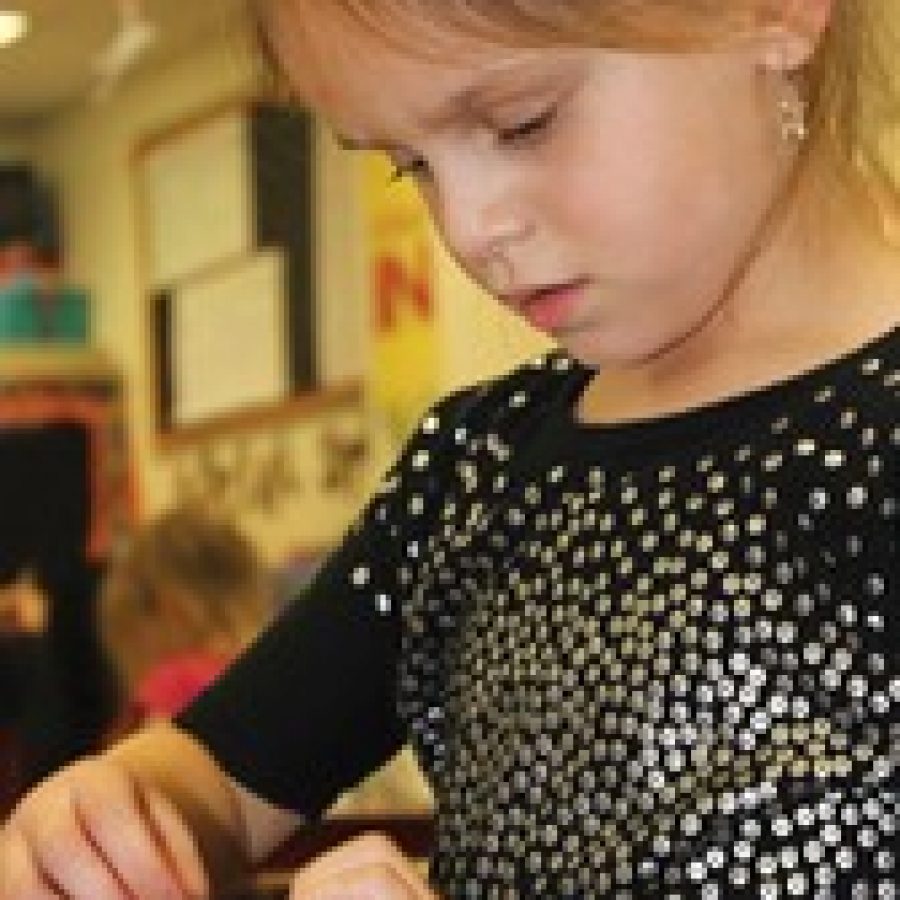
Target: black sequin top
<point>658,659</point>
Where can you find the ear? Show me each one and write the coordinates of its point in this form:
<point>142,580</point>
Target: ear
<point>792,32</point>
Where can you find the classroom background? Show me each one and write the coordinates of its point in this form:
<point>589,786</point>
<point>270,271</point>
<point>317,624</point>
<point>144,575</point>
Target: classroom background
<point>204,302</point>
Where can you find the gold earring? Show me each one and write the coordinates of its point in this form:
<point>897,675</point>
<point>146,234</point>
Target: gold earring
<point>792,116</point>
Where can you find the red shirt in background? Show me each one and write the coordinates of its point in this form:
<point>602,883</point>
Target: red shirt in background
<point>170,685</point>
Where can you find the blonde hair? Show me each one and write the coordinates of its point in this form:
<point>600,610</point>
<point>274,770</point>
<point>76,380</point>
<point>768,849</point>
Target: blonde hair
<point>850,85</point>
<point>188,580</point>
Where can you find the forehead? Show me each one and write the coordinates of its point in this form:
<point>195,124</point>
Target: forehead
<point>349,73</point>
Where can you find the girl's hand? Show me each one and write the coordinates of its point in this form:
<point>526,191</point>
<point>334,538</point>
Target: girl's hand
<point>367,868</point>
<point>92,832</point>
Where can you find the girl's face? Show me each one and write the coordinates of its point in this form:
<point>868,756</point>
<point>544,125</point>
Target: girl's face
<point>604,196</point>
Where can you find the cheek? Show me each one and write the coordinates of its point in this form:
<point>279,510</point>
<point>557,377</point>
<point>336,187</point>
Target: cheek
<point>660,181</point>
<point>644,198</point>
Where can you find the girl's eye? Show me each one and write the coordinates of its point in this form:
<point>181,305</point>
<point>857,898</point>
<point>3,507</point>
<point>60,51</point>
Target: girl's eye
<point>529,127</point>
<point>418,168</point>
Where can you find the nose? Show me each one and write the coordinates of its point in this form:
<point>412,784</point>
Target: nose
<point>480,213</point>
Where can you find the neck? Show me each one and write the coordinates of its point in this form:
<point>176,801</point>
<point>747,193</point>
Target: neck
<point>820,260</point>
<point>822,280</point>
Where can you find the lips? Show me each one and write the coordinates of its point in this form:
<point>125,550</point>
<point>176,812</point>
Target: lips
<point>549,308</point>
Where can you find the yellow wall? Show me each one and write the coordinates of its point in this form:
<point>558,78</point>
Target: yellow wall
<point>88,153</point>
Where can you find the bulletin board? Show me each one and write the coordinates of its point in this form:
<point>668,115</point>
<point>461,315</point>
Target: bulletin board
<point>197,209</point>
<point>226,223</point>
<point>241,343</point>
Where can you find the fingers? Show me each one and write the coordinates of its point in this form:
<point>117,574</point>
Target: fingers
<point>94,834</point>
<point>20,878</point>
<point>367,868</point>
<point>61,856</point>
<point>128,837</point>
<point>179,847</point>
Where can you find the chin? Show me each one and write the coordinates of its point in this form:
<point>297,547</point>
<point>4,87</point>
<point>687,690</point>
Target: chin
<point>598,347</point>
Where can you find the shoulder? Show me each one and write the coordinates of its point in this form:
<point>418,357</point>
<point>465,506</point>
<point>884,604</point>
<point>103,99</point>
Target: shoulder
<point>505,403</point>
<point>470,432</point>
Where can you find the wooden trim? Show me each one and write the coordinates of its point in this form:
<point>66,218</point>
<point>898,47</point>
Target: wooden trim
<point>294,408</point>
<point>66,365</point>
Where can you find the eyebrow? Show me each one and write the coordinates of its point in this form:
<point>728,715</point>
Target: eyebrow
<point>447,112</point>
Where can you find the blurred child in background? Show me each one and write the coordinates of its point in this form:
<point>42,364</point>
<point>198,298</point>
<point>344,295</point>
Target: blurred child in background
<point>189,593</point>
<point>182,601</point>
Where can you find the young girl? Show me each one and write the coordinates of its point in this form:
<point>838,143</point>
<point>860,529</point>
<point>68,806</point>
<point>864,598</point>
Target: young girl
<point>636,604</point>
